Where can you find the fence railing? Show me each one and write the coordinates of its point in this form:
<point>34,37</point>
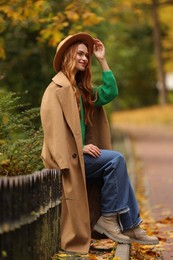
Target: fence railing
<point>30,215</point>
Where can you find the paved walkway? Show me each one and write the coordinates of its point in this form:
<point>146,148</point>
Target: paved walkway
<point>154,147</point>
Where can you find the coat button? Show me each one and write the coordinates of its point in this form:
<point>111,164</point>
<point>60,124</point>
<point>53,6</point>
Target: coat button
<point>74,155</point>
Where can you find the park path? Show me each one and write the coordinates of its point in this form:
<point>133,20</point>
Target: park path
<point>154,148</point>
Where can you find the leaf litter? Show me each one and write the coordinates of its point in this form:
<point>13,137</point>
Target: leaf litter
<point>101,249</point>
<point>152,227</point>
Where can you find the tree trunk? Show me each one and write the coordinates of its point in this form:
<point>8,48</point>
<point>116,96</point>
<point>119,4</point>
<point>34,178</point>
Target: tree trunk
<point>158,54</point>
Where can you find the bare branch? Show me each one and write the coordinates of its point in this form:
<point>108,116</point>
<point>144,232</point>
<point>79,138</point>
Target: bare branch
<point>168,2</point>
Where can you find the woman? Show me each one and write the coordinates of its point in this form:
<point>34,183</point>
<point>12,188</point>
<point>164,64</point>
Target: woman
<point>77,141</point>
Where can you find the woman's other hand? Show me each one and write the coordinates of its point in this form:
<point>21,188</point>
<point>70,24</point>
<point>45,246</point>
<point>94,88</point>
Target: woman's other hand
<point>91,150</point>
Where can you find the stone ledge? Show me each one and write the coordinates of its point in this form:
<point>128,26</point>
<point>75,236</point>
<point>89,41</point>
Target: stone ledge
<point>123,251</point>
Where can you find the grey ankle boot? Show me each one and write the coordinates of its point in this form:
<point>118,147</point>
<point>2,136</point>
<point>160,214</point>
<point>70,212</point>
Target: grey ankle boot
<point>139,235</point>
<point>109,226</point>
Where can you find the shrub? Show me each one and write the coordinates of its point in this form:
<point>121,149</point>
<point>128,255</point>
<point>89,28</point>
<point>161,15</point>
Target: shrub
<point>20,137</point>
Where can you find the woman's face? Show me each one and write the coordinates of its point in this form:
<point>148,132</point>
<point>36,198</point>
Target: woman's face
<point>81,57</point>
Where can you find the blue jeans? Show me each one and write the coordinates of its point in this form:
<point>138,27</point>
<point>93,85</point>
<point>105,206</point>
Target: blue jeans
<point>117,195</point>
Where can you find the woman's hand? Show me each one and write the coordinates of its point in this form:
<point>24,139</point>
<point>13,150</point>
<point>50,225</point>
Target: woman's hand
<point>99,52</point>
<point>91,150</point>
<point>99,49</point>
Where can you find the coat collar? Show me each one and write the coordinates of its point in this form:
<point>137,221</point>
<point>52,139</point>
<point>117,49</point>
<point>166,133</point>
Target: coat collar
<point>69,106</point>
<point>61,80</point>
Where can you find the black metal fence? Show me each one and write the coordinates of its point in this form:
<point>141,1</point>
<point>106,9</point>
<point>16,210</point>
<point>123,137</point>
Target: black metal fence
<point>30,215</point>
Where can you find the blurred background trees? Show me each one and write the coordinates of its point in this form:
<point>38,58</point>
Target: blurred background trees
<point>139,48</point>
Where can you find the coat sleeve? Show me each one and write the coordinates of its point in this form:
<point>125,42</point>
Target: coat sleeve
<point>54,151</point>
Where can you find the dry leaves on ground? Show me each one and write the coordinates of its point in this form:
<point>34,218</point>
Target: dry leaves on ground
<point>145,252</point>
<point>102,249</point>
<point>144,116</point>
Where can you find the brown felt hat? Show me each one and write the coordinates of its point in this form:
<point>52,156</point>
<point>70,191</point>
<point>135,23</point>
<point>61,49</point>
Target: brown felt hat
<point>69,40</point>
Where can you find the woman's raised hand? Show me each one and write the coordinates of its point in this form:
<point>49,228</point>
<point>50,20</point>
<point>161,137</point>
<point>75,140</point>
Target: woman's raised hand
<point>99,52</point>
<point>99,49</point>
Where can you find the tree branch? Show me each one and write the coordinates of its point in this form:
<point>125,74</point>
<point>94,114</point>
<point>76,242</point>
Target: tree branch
<point>168,2</point>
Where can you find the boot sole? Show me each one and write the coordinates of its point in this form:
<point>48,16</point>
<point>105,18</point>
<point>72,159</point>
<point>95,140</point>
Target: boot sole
<point>116,239</point>
<point>142,242</point>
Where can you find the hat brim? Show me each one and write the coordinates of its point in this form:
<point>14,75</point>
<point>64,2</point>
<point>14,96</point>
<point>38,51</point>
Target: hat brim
<point>83,37</point>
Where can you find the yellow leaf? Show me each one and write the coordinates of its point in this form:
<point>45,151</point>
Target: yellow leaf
<point>72,16</point>
<point>90,18</point>
<point>2,52</point>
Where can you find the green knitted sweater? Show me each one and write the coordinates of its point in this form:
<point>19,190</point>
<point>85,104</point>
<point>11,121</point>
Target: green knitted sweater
<point>104,93</point>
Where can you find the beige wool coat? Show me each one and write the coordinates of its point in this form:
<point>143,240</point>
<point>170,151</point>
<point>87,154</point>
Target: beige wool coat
<point>62,149</point>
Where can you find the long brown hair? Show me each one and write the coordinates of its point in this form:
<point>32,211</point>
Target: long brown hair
<point>82,79</point>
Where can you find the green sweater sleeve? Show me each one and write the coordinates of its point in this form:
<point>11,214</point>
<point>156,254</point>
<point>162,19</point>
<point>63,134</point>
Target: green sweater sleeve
<point>107,91</point>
